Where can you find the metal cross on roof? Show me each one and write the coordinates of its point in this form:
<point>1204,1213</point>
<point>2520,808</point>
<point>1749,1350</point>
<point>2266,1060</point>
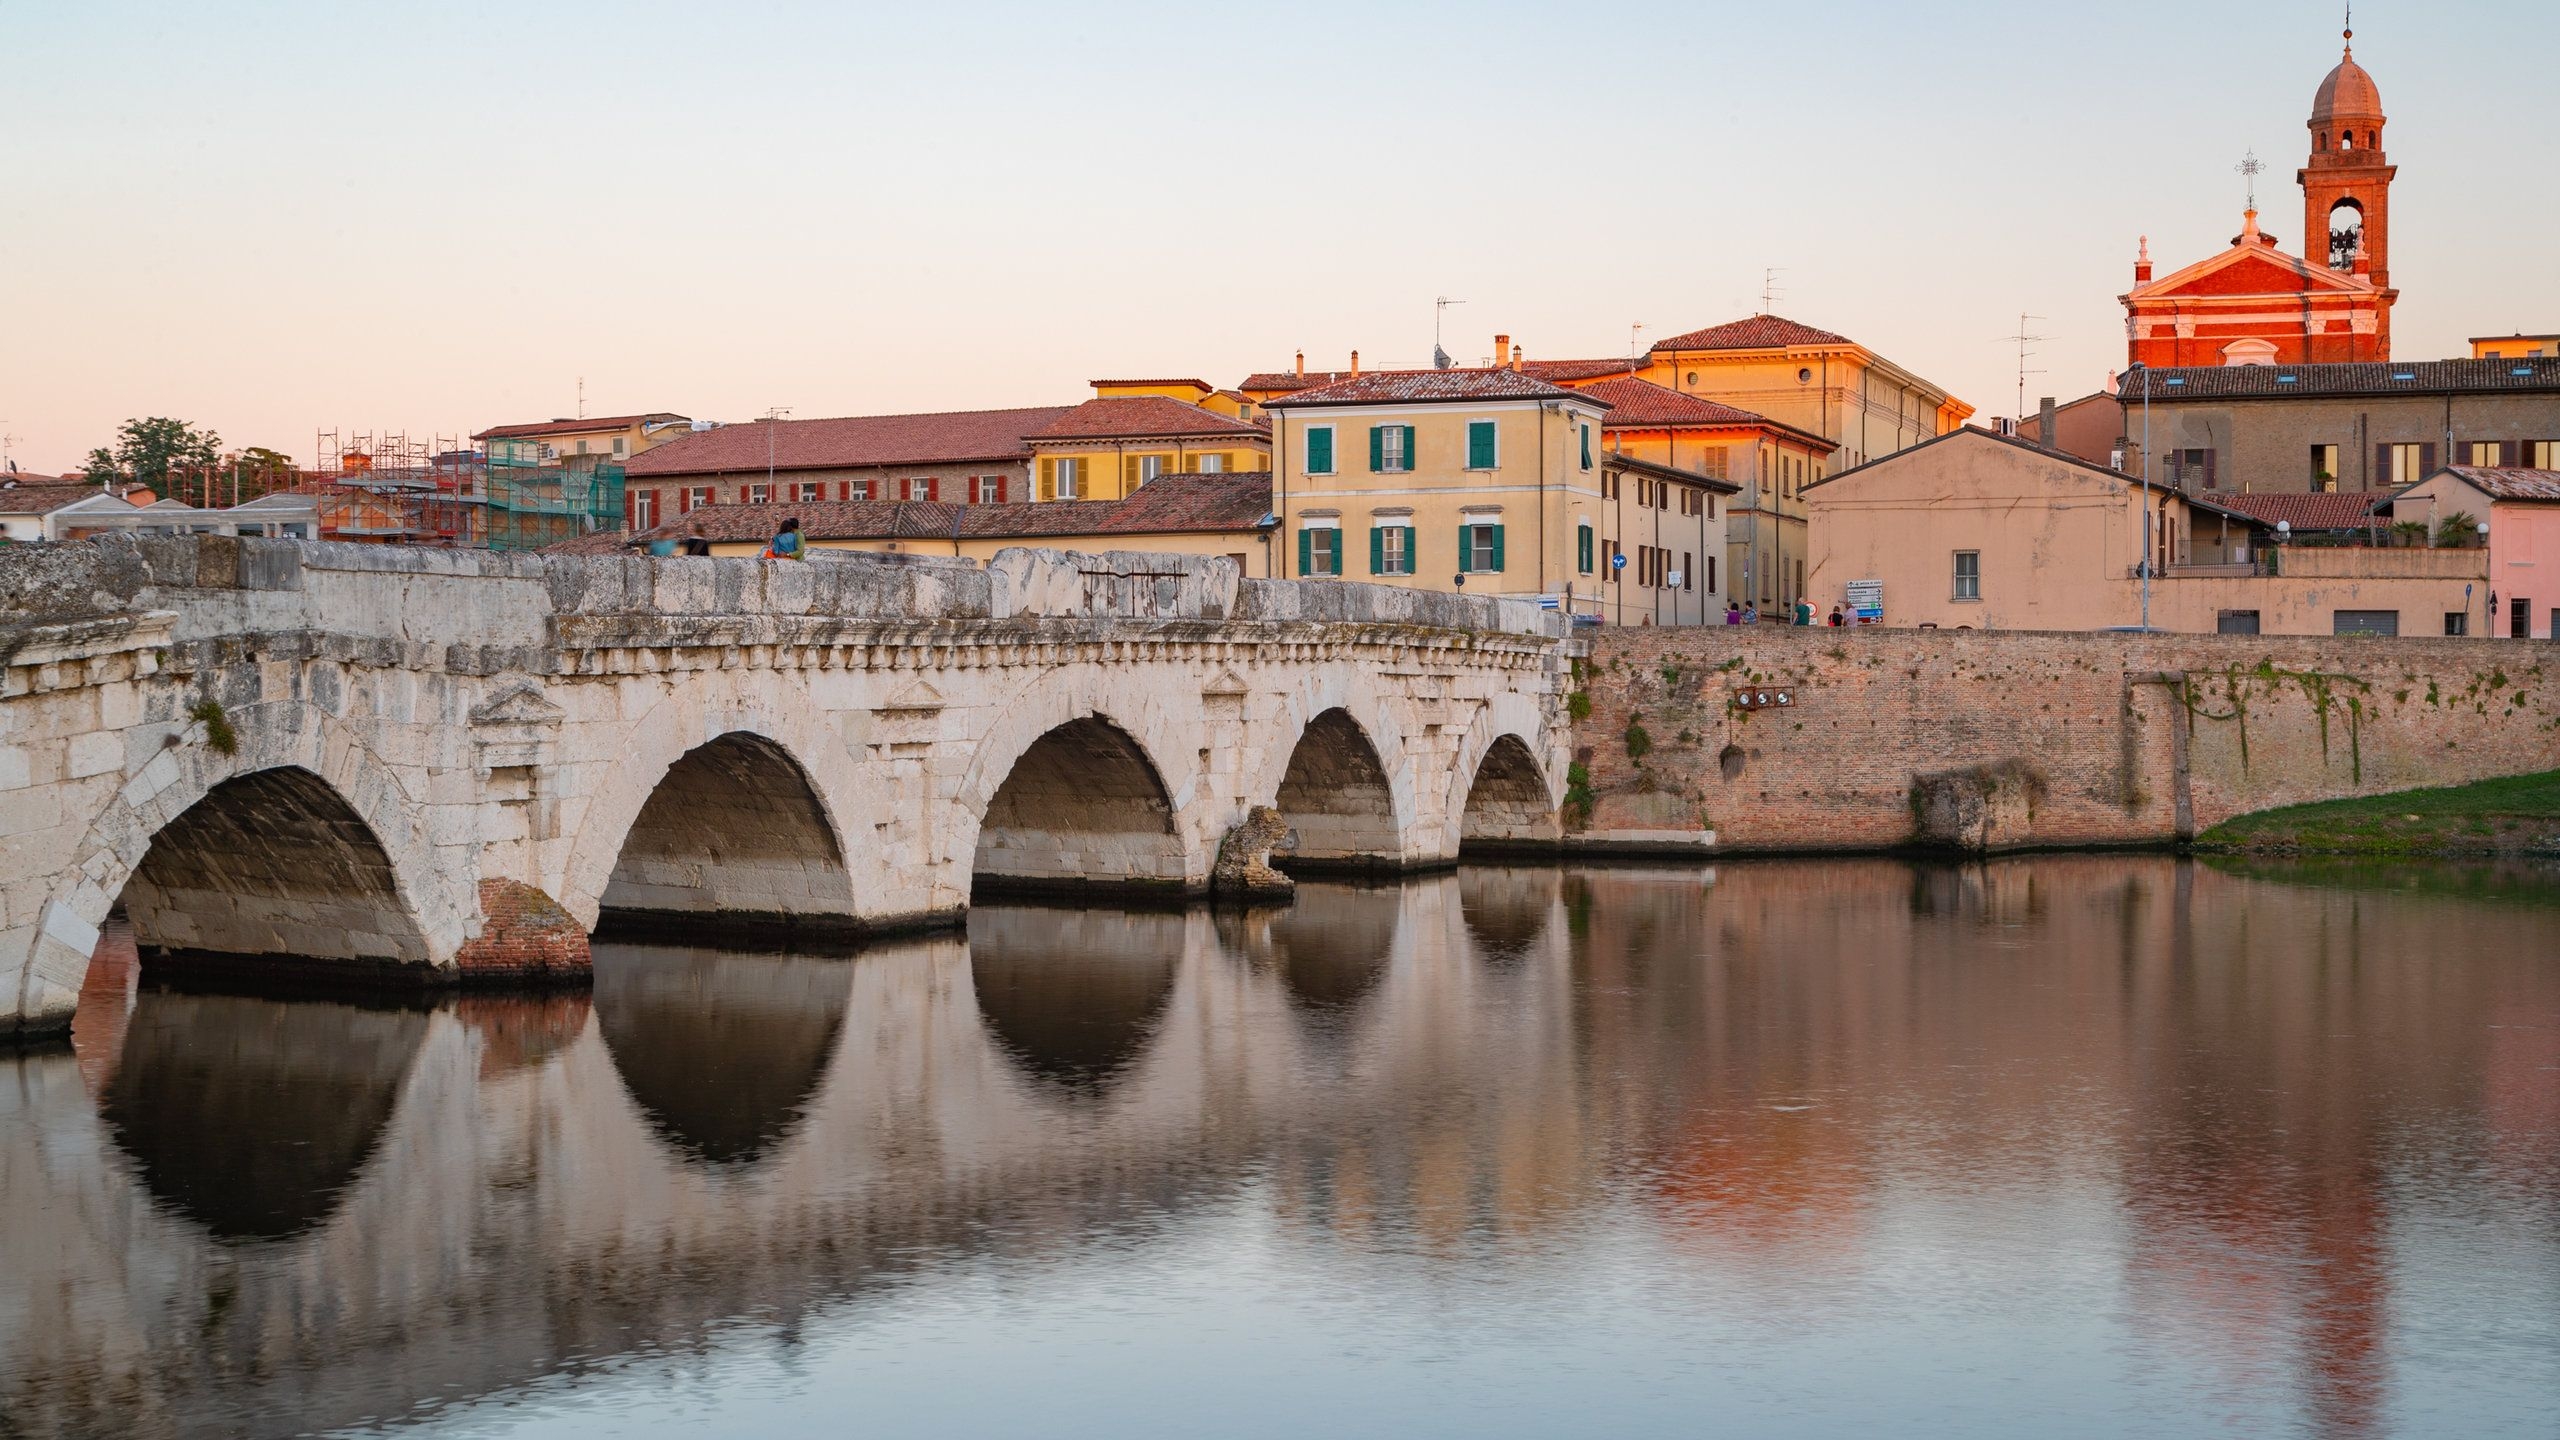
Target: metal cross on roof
<point>2249,168</point>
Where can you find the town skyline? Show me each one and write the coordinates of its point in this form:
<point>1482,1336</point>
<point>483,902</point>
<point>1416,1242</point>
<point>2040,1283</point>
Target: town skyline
<point>410,297</point>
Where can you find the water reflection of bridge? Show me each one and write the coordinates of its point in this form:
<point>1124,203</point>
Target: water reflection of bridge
<point>312,1213</point>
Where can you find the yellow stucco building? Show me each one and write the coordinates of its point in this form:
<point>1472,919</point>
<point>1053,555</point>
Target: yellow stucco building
<point>1107,447</point>
<point>1811,379</point>
<point>614,437</point>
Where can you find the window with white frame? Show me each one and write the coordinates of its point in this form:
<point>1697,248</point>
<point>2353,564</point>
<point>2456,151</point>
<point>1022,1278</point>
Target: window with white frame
<point>759,495</point>
<point>988,489</point>
<point>812,490</point>
<point>1070,476</point>
<point>1214,463</point>
<point>916,487</point>
<point>1968,577</point>
<point>1392,547</point>
<point>1395,449</point>
<point>697,495</point>
<point>644,509</point>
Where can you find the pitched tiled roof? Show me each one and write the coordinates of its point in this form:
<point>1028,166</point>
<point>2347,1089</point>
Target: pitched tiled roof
<point>1616,461</point>
<point>1564,370</point>
<point>2324,510</point>
<point>1395,387</point>
<point>2507,482</point>
<point>1142,417</point>
<point>1756,332</point>
<point>1170,504</point>
<point>24,498</point>
<point>1641,404</point>
<point>1268,380</point>
<point>849,442</point>
<point>1176,380</point>
<point>576,427</point>
<point>2371,377</point>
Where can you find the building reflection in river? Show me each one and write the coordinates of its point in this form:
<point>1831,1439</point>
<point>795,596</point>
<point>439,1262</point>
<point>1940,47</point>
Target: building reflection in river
<point>2213,1146</point>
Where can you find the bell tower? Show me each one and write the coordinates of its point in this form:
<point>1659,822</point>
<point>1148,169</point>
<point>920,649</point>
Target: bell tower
<point>2346,187</point>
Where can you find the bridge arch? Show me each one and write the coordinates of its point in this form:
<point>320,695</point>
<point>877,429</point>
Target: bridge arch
<point>1334,762</point>
<point>733,804</point>
<point>1074,789</point>
<point>298,846</point>
<point>1502,795</point>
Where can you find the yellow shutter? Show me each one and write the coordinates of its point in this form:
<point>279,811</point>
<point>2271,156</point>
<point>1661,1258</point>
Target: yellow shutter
<point>1048,479</point>
<point>1128,473</point>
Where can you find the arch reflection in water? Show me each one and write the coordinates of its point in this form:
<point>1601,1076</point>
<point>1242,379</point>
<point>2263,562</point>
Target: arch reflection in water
<point>723,1052</point>
<point>1330,948</point>
<point>1074,995</point>
<point>1507,910</point>
<point>254,1117</point>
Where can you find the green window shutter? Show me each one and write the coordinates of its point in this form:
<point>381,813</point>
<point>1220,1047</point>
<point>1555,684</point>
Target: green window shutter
<point>1377,549</point>
<point>1320,451</point>
<point>1377,448</point>
<point>1582,548</point>
<point>1463,556</point>
<point>1479,444</point>
<point>1497,547</point>
<point>1586,447</point>
<point>1409,451</point>
<point>1306,552</point>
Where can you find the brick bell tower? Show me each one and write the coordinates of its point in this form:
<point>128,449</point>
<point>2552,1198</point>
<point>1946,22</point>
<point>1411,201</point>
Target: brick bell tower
<point>2348,168</point>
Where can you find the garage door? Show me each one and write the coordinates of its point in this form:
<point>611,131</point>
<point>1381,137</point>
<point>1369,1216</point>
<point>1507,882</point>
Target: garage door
<point>2366,622</point>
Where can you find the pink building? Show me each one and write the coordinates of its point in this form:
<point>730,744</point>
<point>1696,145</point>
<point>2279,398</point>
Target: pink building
<point>2522,511</point>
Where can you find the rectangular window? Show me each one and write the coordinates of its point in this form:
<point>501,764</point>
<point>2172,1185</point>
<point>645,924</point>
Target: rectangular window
<point>1070,476</point>
<point>2235,622</point>
<point>617,444</point>
<point>1586,446</point>
<point>697,495</point>
<point>644,509</point>
<point>915,487</point>
<point>2457,622</point>
<point>582,447</point>
<point>1968,575</point>
<point>1320,550</point>
<point>1711,463</point>
<point>1644,492</point>
<point>809,490</point>
<point>1711,571</point>
<point>1319,449</point>
<point>2403,465</point>
<point>1609,556</point>
<point>1582,538</point>
<point>1390,448</point>
<point>988,490</point>
<point>759,495</point>
<point>2542,454</point>
<point>2194,470</point>
<point>1214,463</point>
<point>1482,450</point>
<point>2364,622</point>
<point>1391,549</point>
<point>1608,485</point>
<point>1149,467</point>
<point>2324,467</point>
<point>2520,619</point>
<point>1479,548</point>
<point>2486,452</point>
<point>857,489</point>
<point>1688,571</point>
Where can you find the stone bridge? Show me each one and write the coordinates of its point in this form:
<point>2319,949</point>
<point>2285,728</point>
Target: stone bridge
<point>337,761</point>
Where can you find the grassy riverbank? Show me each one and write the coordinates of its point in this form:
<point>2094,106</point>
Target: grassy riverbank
<point>2518,815</point>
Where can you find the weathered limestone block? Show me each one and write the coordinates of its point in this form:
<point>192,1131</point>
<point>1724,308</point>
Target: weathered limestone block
<point>1979,808</point>
<point>1243,871</point>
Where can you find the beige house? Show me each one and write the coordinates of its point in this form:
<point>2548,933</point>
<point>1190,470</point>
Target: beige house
<point>612,437</point>
<point>1980,531</point>
<point>1811,379</point>
<point>1477,479</point>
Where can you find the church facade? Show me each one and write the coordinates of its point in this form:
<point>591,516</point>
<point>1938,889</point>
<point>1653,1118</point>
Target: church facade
<point>2257,304</point>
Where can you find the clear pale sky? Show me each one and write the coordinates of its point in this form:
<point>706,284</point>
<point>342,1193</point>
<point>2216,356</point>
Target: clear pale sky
<point>270,218</point>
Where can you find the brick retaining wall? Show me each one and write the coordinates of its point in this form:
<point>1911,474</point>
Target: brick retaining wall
<point>2019,739</point>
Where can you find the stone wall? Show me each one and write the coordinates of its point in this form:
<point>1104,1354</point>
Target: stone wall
<point>1999,740</point>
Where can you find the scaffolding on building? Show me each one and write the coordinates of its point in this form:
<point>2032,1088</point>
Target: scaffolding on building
<point>533,502</point>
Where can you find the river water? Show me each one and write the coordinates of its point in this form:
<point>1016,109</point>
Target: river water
<point>2083,1146</point>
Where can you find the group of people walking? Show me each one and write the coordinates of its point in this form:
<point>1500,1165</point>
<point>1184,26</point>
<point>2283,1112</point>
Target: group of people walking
<point>1738,613</point>
<point>786,543</point>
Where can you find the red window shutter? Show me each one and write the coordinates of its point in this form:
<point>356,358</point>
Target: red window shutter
<point>1004,488</point>
<point>630,509</point>
<point>933,488</point>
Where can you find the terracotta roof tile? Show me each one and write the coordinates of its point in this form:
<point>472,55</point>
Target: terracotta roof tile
<point>1282,380</point>
<point>1642,404</point>
<point>1142,417</point>
<point>2369,377</point>
<point>2508,482</point>
<point>1173,380</point>
<point>2321,510</point>
<point>849,442</point>
<point>1561,371</point>
<point>576,427</point>
<point>1170,504</point>
<point>28,498</point>
<point>1392,387</point>
<point>1755,332</point>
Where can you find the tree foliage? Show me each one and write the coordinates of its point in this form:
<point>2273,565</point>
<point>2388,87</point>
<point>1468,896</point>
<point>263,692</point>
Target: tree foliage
<point>147,450</point>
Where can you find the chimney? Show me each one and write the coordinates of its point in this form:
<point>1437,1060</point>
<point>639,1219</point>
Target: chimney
<point>1355,364</point>
<point>2142,263</point>
<point>1501,348</point>
<point>1515,357</point>
<point>1302,364</point>
<point>2044,424</point>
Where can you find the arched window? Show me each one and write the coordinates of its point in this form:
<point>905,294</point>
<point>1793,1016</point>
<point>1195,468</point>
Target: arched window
<point>2323,143</point>
<point>2346,139</point>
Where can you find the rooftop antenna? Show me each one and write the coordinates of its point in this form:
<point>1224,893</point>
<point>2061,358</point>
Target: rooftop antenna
<point>2023,339</point>
<point>1635,338</point>
<point>1439,312</point>
<point>773,418</point>
<point>2248,169</point>
<point>582,397</point>
<point>7,462</point>
<point>1769,289</point>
